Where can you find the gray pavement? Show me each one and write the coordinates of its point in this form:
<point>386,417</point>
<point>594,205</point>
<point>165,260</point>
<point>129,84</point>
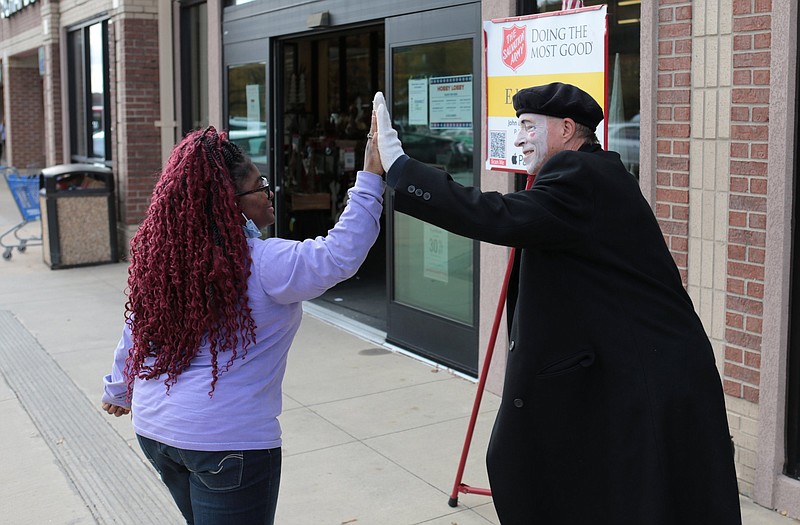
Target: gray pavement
<point>371,435</point>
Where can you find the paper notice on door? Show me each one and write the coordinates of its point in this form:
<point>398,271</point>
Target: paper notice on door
<point>451,102</point>
<point>418,101</point>
<point>253,107</point>
<point>435,253</point>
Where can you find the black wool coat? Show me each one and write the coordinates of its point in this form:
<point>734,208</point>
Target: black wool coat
<point>612,409</point>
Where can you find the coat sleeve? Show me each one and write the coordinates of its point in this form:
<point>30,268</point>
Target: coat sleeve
<point>555,212</point>
<point>292,271</point>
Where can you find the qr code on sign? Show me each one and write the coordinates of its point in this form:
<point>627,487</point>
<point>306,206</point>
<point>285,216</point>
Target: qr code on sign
<point>497,144</point>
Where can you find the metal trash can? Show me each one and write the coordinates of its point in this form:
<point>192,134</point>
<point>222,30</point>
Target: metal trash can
<point>78,215</point>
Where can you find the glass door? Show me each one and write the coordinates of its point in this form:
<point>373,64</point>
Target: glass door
<point>434,98</point>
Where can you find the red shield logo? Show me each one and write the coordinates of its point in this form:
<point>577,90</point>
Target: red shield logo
<point>515,47</point>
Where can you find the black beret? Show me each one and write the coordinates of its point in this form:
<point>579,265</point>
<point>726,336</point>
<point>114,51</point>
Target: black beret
<point>559,100</point>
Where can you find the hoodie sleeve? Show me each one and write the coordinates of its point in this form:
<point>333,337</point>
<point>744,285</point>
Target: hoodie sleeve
<point>115,388</point>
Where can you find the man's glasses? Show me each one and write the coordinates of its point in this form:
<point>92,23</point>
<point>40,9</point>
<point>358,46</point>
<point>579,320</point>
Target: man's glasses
<point>264,188</point>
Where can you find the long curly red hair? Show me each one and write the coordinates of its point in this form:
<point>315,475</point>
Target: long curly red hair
<point>187,280</point>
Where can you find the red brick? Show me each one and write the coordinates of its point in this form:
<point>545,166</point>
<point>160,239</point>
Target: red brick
<point>752,23</point>
<point>747,203</point>
<point>734,320</point>
<point>747,237</point>
<point>751,59</point>
<point>738,184</point>
<point>673,130</point>
<point>762,41</point>
<point>739,132</point>
<point>743,339</point>
<point>750,393</point>
<point>680,63</point>
<point>748,168</point>
<point>735,286</point>
<point>745,374</point>
<point>755,290</point>
<point>677,196</point>
<point>750,96</point>
<point>732,388</point>
<point>763,6</point>
<point>683,13</point>
<point>739,150</point>
<point>761,114</point>
<point>734,355</point>
<point>755,325</point>
<point>745,271</point>
<point>743,42</point>
<point>742,7</point>
<point>759,186</point>
<point>740,114</point>
<point>744,305</point>
<point>737,252</point>
<point>759,151</point>
<point>737,219</point>
<point>680,147</point>
<point>757,221</point>
<point>681,29</point>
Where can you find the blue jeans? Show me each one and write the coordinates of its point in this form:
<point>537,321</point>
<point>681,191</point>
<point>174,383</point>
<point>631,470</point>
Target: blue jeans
<point>219,488</point>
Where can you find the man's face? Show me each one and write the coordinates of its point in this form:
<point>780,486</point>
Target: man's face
<point>533,139</point>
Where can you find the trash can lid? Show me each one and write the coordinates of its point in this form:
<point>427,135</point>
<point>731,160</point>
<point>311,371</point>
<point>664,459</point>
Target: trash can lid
<point>65,169</point>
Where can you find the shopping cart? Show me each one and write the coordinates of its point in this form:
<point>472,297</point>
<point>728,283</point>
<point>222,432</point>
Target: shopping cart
<point>25,191</point>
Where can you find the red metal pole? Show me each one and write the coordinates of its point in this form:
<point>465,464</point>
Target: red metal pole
<point>458,486</point>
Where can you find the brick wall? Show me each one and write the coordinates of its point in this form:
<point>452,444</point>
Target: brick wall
<point>748,189</point>
<point>25,119</point>
<point>672,117</point>
<point>137,92</point>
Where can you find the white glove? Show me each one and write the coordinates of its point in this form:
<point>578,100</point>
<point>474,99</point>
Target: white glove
<point>389,146</point>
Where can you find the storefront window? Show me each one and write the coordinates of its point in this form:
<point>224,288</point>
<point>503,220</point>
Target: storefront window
<point>88,94</point>
<point>247,109</point>
<point>194,66</point>
<point>623,64</point>
<point>432,110</point>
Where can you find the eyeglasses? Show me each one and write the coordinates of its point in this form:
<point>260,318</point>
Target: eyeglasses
<point>264,187</point>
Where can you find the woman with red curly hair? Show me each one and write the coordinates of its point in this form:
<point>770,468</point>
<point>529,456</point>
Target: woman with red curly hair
<point>211,313</point>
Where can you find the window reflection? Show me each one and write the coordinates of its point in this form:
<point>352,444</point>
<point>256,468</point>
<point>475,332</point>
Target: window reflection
<point>88,93</point>
<point>97,89</point>
<point>247,111</point>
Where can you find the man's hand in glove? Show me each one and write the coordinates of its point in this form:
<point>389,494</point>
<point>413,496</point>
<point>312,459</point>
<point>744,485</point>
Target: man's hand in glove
<point>389,146</point>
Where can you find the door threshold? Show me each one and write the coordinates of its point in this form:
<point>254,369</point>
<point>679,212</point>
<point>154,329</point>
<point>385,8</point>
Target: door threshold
<point>373,335</point>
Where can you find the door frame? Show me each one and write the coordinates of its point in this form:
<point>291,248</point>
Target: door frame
<point>405,328</point>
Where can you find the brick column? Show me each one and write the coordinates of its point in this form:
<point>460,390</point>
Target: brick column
<point>748,188</point>
<point>25,114</point>
<point>673,114</point>
<point>53,108</point>
<point>136,91</point>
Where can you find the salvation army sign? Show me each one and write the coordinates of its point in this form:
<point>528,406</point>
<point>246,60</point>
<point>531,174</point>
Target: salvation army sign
<point>562,46</point>
<point>514,47</point>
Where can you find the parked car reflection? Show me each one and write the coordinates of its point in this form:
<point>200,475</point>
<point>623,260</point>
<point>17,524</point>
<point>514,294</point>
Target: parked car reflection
<point>623,137</point>
<point>451,149</point>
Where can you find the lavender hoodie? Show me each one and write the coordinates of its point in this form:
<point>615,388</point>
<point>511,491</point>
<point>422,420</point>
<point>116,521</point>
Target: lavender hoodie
<point>242,414</point>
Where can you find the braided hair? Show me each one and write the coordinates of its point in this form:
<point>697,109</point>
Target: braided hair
<point>187,280</point>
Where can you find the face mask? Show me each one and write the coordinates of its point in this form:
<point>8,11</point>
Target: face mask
<point>250,229</point>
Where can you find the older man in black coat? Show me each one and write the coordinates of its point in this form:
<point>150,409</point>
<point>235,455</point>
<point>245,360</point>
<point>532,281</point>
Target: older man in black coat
<point>612,409</point>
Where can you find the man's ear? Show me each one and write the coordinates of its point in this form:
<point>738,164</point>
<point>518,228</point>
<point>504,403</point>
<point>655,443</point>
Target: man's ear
<point>568,129</point>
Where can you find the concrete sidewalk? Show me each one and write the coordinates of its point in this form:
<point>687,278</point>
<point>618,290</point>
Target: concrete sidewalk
<point>371,436</point>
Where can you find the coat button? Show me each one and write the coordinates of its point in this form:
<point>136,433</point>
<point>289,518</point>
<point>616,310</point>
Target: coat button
<point>511,346</point>
<point>426,196</point>
<point>411,188</point>
<point>418,193</point>
<point>518,403</point>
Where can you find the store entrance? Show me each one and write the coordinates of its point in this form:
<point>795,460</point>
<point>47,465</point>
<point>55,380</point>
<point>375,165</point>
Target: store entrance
<point>324,90</point>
